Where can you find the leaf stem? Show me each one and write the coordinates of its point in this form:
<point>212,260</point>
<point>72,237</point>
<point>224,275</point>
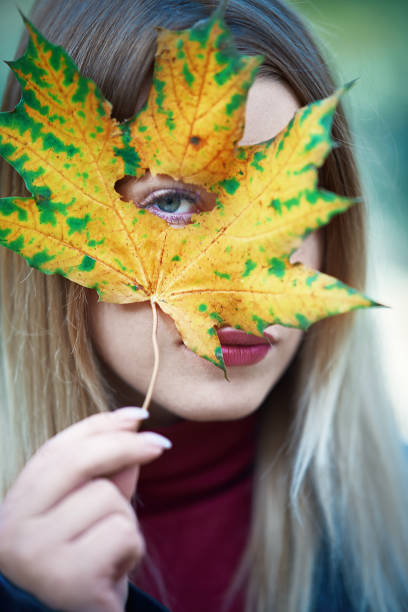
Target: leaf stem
<point>153,378</point>
<point>220,10</point>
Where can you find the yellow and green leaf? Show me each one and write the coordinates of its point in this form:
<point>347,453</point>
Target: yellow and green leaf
<point>231,265</point>
<point>196,108</point>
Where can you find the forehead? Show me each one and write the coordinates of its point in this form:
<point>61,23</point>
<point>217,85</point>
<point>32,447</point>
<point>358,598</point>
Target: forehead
<point>270,106</point>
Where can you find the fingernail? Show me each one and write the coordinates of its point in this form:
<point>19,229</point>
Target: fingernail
<point>157,439</point>
<point>131,412</point>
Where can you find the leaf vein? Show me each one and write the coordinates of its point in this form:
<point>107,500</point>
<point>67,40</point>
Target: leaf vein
<point>62,242</point>
<point>116,211</point>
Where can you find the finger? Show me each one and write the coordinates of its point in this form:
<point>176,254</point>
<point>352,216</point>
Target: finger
<point>123,418</point>
<point>93,589</point>
<point>122,590</point>
<point>128,418</point>
<point>86,506</point>
<point>46,483</point>
<point>112,546</point>
<point>100,456</point>
<point>126,481</point>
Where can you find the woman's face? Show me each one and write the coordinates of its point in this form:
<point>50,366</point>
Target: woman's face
<point>187,385</point>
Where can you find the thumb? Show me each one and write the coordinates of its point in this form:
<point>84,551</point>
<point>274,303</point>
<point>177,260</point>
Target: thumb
<point>126,480</point>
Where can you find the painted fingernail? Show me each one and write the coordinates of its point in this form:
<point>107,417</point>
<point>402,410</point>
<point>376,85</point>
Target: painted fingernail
<point>131,412</point>
<point>157,439</point>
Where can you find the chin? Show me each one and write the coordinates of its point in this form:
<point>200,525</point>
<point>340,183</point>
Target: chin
<point>222,401</point>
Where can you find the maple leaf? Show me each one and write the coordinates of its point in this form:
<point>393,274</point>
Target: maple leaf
<point>195,112</point>
<point>230,266</point>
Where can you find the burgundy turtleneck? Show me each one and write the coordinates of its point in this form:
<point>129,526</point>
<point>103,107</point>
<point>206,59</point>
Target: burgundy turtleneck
<point>194,504</point>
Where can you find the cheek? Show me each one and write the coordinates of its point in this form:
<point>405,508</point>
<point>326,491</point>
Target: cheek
<point>120,334</point>
<point>289,340</point>
<point>310,253</point>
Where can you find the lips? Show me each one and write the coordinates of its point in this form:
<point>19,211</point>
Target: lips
<point>240,348</point>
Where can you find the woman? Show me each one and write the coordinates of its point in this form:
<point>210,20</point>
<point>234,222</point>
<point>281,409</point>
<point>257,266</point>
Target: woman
<point>328,486</point>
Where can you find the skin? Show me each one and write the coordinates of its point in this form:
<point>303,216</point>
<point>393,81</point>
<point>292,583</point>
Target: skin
<point>188,386</point>
<point>67,520</point>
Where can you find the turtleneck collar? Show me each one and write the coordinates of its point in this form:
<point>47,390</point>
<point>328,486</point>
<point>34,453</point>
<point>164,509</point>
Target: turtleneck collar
<point>206,457</point>
<point>194,508</point>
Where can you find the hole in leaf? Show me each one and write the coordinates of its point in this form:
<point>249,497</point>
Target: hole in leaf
<point>174,201</point>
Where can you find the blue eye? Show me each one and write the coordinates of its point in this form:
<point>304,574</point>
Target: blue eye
<point>172,202</point>
<point>173,205</point>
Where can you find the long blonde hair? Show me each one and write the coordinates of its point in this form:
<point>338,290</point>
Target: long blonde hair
<point>339,476</point>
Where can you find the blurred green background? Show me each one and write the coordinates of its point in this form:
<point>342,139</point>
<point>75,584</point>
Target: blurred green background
<point>364,39</point>
<point>367,39</point>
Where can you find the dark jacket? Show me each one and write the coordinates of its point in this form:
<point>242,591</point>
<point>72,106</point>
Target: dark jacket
<point>330,597</point>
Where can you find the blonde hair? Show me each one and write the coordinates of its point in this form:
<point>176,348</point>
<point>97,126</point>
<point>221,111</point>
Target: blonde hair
<point>339,476</point>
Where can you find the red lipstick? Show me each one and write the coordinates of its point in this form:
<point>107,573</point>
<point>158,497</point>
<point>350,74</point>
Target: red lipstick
<point>240,348</point>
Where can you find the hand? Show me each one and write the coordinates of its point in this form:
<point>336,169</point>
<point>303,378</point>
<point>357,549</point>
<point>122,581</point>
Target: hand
<point>68,533</point>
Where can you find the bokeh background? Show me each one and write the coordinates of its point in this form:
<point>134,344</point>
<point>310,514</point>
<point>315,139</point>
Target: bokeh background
<point>364,39</point>
<point>368,40</point>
